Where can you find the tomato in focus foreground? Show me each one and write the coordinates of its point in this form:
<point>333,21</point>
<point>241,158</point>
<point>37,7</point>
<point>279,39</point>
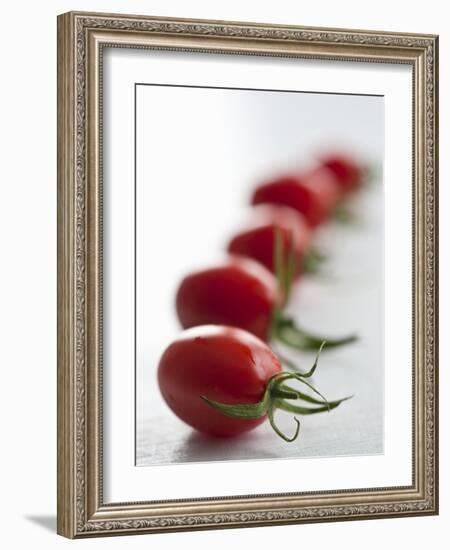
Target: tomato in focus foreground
<point>224,364</point>
<point>223,382</point>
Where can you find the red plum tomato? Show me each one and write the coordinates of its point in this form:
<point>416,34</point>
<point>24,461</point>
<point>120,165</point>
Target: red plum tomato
<point>224,364</point>
<point>257,239</point>
<point>239,292</point>
<point>314,194</point>
<point>348,173</point>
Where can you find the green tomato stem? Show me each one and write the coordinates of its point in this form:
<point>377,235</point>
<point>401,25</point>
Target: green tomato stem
<point>289,333</point>
<point>283,328</point>
<point>278,395</point>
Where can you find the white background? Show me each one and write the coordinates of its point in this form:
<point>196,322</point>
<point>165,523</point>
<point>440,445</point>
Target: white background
<point>28,298</point>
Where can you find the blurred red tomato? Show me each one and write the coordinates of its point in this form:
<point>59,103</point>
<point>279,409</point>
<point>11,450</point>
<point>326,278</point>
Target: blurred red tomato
<point>314,194</point>
<point>242,293</point>
<point>348,173</point>
<point>239,292</point>
<point>257,239</point>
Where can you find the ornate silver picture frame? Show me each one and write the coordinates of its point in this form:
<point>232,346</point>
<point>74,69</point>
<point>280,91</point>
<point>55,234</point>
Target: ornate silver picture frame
<point>82,40</point>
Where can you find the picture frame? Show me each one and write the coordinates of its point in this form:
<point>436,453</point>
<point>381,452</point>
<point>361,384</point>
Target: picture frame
<point>82,509</point>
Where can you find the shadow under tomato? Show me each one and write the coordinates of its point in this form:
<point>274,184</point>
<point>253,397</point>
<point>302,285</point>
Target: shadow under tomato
<point>198,447</point>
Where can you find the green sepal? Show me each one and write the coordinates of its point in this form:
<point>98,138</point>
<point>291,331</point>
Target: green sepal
<point>312,261</point>
<point>284,267</point>
<point>278,395</point>
<point>292,335</point>
<point>303,396</point>
<point>248,411</point>
<point>271,416</point>
<point>344,215</point>
<point>297,409</point>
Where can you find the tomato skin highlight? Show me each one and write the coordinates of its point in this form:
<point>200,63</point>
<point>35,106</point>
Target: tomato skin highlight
<point>348,173</point>
<point>257,239</point>
<point>239,292</point>
<point>225,364</point>
<point>314,194</point>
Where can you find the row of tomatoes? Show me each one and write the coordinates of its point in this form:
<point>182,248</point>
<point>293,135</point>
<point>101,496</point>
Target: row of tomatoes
<point>222,377</point>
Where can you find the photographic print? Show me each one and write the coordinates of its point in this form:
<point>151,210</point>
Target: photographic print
<point>223,176</point>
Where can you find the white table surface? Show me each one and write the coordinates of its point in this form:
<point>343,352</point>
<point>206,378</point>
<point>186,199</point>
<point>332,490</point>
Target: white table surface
<point>347,296</point>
